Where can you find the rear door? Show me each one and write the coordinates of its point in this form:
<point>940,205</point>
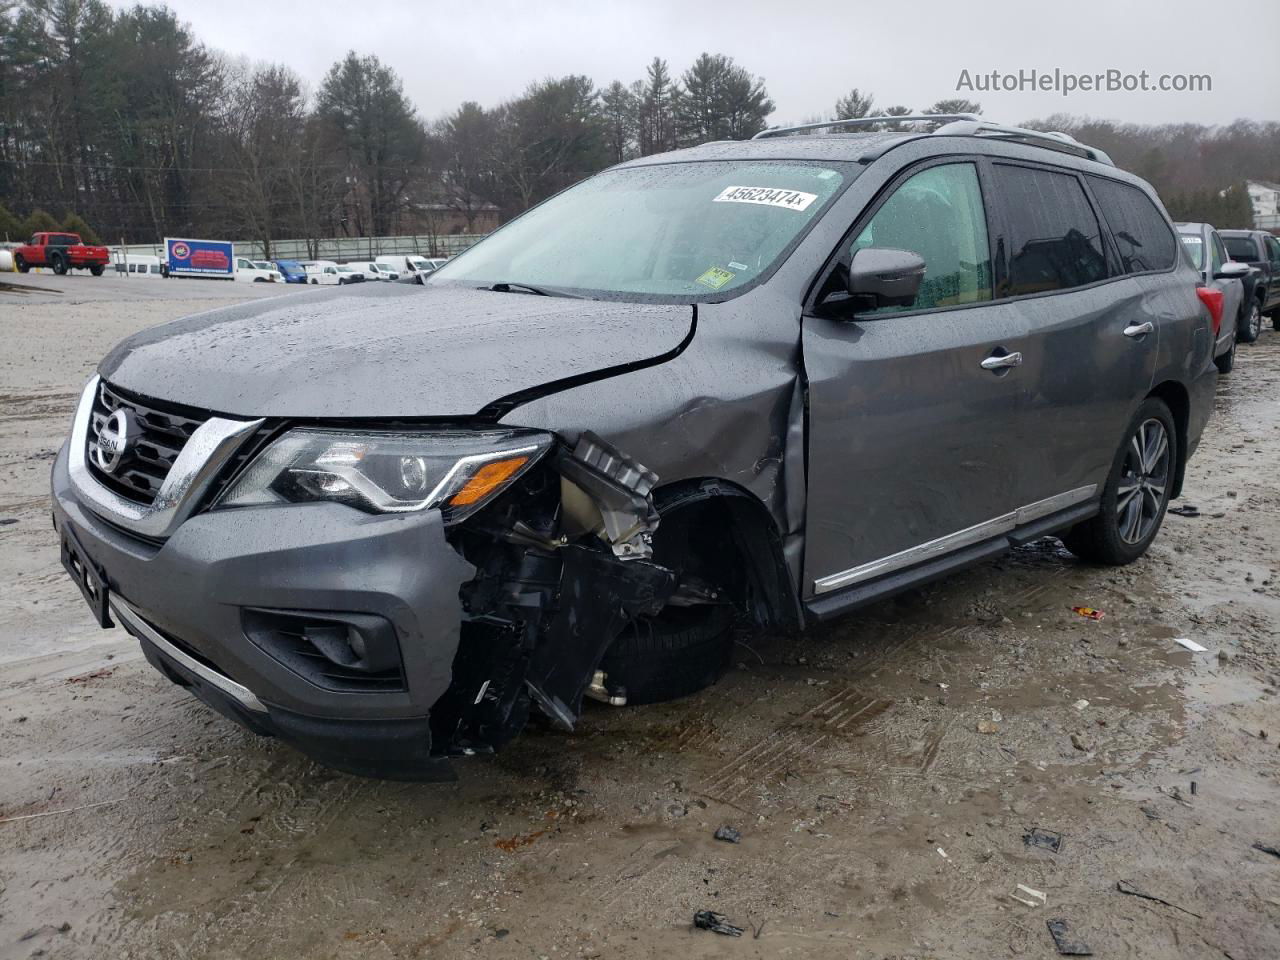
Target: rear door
<point>1273,258</point>
<point>1091,343</point>
<point>913,444</point>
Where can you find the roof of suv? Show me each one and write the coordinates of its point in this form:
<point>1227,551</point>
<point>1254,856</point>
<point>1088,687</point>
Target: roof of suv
<point>807,143</point>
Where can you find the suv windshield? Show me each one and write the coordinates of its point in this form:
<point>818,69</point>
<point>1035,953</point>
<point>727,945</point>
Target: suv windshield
<point>680,231</point>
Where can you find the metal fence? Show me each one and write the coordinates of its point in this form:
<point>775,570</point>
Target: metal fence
<point>333,248</point>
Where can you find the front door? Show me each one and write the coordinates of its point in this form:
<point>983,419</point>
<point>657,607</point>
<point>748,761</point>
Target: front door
<point>914,412</point>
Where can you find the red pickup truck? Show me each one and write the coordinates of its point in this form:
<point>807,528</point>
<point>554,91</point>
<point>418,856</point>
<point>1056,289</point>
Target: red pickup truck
<point>62,252</point>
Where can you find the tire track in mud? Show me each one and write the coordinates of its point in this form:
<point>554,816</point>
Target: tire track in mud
<point>798,742</point>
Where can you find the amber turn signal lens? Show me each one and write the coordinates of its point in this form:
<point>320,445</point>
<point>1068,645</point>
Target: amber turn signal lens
<point>487,479</point>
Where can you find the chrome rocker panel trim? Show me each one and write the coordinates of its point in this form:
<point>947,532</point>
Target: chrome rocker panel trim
<point>1006,523</point>
<point>210,447</point>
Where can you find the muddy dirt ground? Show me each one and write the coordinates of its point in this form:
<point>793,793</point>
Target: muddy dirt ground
<point>883,769</point>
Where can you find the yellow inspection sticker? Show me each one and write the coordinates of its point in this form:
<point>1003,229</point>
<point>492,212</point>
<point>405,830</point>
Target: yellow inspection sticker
<point>715,278</point>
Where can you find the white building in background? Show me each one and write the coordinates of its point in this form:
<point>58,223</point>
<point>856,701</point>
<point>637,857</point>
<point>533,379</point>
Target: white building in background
<point>1265,198</point>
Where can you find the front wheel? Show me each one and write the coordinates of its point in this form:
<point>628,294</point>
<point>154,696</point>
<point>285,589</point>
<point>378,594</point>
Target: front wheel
<point>1136,495</point>
<point>1227,362</point>
<point>1251,325</point>
<point>21,264</point>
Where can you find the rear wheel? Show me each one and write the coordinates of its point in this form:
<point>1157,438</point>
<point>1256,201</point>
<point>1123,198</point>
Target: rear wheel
<point>1226,363</point>
<point>1251,324</point>
<point>97,269</point>
<point>1136,494</point>
<point>59,264</point>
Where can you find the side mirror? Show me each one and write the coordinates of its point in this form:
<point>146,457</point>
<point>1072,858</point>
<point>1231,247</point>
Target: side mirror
<point>1232,270</point>
<point>885,277</point>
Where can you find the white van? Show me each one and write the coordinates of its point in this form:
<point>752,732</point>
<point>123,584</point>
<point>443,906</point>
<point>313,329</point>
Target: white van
<point>371,270</point>
<point>250,272</point>
<point>137,265</point>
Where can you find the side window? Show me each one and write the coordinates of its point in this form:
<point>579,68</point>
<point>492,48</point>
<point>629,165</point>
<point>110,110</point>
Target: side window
<point>1140,231</point>
<point>1218,256</point>
<point>1273,249</point>
<point>1054,240</point>
<point>937,214</point>
<point>1244,249</point>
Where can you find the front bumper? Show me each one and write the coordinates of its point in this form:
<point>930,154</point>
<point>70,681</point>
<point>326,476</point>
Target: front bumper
<point>190,592</point>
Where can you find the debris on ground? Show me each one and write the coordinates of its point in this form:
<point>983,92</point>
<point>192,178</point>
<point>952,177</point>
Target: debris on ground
<point>943,854</point>
<point>1081,704</point>
<point>988,726</point>
<point>1124,886</point>
<point>1186,510</point>
<point>1189,644</point>
<point>728,834</point>
<point>1033,898</point>
<point>1045,839</point>
<point>1089,613</point>
<point>716,923</point>
<point>1066,943</point>
<point>1077,741</point>
<point>1275,852</point>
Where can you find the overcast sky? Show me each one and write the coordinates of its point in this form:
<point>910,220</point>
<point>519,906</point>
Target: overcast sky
<point>907,52</point>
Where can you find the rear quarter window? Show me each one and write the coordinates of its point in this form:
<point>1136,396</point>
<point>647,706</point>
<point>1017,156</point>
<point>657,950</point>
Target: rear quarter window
<point>1142,235</point>
<point>1241,248</point>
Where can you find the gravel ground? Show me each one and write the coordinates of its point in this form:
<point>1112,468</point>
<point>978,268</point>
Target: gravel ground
<point>883,769</point>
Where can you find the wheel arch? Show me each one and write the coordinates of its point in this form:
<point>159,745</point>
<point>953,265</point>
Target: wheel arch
<point>739,527</point>
<point>1178,400</point>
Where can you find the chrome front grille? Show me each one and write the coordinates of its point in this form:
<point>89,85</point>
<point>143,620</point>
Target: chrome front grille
<point>161,435</point>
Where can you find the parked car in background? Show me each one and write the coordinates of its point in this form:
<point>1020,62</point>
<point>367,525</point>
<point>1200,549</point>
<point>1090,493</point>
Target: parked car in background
<point>1261,251</point>
<point>60,252</point>
<point>392,539</point>
<point>371,270</point>
<point>409,268</point>
<point>1218,272</point>
<point>250,271</point>
<point>322,272</point>
<point>138,265</point>
<point>350,273</point>
<point>291,271</point>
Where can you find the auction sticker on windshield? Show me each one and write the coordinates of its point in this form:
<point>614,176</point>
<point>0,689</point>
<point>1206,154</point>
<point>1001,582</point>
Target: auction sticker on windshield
<point>769,196</point>
<point>715,278</point>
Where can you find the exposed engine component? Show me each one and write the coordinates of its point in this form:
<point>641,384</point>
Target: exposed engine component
<point>606,493</point>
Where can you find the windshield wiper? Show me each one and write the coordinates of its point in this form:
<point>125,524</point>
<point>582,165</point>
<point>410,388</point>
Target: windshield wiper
<point>515,287</point>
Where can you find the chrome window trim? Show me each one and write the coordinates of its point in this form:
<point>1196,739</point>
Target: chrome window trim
<point>241,694</point>
<point>1005,523</point>
<point>212,444</point>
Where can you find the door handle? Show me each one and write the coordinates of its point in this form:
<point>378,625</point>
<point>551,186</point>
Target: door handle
<point>999,363</point>
<point>1139,329</point>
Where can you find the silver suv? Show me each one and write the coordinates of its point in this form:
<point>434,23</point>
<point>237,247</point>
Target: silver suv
<point>749,383</point>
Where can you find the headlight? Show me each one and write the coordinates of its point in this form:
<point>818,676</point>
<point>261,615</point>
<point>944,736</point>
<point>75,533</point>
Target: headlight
<point>455,470</point>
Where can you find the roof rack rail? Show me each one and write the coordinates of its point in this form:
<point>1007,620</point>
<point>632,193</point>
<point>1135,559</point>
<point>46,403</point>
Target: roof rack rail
<point>860,122</point>
<point>959,125</point>
<point>1052,139</point>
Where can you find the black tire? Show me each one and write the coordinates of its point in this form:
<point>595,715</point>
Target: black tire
<point>1227,362</point>
<point>675,654</point>
<point>59,264</point>
<point>20,262</point>
<point>97,269</point>
<point>315,281</point>
<point>1250,324</point>
<point>1101,539</point>
<point>1275,320</point>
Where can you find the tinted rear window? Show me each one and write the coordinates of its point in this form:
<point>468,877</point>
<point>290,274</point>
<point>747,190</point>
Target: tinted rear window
<point>1241,248</point>
<point>1141,232</point>
<point>1055,242</point>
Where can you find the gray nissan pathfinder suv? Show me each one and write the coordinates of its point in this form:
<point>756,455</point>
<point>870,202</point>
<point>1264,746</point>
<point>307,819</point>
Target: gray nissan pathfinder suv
<point>745,383</point>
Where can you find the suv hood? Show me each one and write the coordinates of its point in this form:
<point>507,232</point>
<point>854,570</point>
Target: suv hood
<point>387,350</point>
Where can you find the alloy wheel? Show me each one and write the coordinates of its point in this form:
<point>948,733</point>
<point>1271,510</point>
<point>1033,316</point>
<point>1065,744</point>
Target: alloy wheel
<point>1254,324</point>
<point>1144,482</point>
